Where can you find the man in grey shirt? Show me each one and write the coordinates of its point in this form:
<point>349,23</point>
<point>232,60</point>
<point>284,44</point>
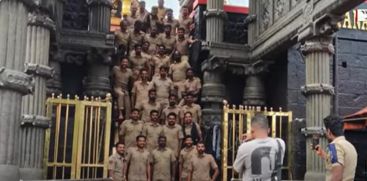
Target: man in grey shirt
<point>260,157</point>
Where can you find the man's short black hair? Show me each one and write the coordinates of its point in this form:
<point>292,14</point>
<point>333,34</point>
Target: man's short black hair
<point>188,112</point>
<point>164,67</point>
<point>153,111</point>
<point>137,45</point>
<point>152,90</point>
<point>119,143</point>
<point>172,114</point>
<point>261,121</point>
<point>187,137</point>
<point>162,136</point>
<point>135,109</point>
<point>335,125</point>
<point>181,29</point>
<point>140,136</point>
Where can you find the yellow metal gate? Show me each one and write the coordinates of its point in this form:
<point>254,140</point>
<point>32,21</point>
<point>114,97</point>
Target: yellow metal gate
<point>237,121</point>
<point>78,143</point>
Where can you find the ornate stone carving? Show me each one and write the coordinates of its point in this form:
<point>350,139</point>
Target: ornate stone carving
<point>266,12</point>
<point>38,19</point>
<point>279,8</point>
<point>215,13</point>
<point>318,89</point>
<point>41,70</point>
<point>15,80</point>
<point>318,45</point>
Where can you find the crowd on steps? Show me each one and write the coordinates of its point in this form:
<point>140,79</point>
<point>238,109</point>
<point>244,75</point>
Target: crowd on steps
<point>156,91</point>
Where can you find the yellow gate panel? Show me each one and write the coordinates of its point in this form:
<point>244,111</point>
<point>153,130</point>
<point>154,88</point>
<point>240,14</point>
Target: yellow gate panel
<point>78,143</point>
<point>237,121</point>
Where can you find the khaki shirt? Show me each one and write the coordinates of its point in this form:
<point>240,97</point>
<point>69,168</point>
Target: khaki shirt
<point>201,165</point>
<point>122,38</point>
<point>146,107</point>
<point>162,160</point>
<point>174,24</point>
<point>161,12</point>
<point>178,71</point>
<point>168,42</point>
<point>183,46</point>
<point>186,23</point>
<point>122,78</point>
<point>138,62</point>
<point>117,164</point>
<point>177,110</point>
<point>188,129</point>
<point>138,161</point>
<point>163,88</point>
<point>129,130</point>
<point>136,38</point>
<point>195,110</point>
<point>159,61</point>
<point>174,136</point>
<point>153,43</point>
<point>131,20</point>
<point>142,15</point>
<point>193,85</point>
<point>152,131</point>
<point>341,152</point>
<point>141,91</point>
<point>185,160</point>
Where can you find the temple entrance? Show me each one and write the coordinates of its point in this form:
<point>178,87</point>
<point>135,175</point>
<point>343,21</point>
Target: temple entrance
<point>238,121</point>
<point>80,127</point>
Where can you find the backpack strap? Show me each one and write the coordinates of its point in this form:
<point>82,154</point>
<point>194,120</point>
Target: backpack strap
<point>277,172</point>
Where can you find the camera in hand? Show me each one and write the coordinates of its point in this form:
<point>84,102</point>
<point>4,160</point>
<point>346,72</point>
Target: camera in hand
<point>315,141</point>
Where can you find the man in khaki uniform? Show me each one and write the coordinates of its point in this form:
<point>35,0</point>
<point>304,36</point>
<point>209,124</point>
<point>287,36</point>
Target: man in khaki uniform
<point>185,20</point>
<point>163,85</point>
<point>136,36</point>
<point>178,72</point>
<point>163,162</point>
<point>122,40</point>
<point>139,161</point>
<point>117,164</point>
<point>183,43</point>
<point>122,76</point>
<point>130,129</point>
<point>173,132</point>
<point>141,88</point>
<point>152,129</point>
<point>172,108</point>
<point>201,164</point>
<point>341,157</point>
<point>153,21</point>
<point>185,158</point>
<point>149,105</point>
<point>191,128</point>
<point>133,17</point>
<point>138,61</point>
<point>159,60</point>
<point>170,20</point>
<point>195,109</point>
<point>161,9</point>
<point>168,40</point>
<point>154,40</point>
<point>142,12</point>
<point>192,83</point>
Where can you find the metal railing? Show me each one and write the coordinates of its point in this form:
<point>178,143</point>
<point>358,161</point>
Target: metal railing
<point>78,143</point>
<point>236,122</point>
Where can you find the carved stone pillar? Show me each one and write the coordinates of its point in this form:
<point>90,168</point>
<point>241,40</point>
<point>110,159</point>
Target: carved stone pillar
<point>97,82</point>
<point>213,93</point>
<point>214,20</point>
<point>99,15</point>
<point>318,91</point>
<point>254,92</point>
<point>13,82</point>
<point>34,122</point>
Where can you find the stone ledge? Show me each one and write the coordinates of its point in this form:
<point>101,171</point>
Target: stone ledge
<point>35,121</point>
<point>40,70</point>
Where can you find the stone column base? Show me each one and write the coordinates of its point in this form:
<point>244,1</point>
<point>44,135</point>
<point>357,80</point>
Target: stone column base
<point>31,173</point>
<point>9,172</point>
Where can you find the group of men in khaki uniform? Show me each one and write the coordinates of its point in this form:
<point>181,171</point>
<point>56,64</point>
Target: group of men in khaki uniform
<point>156,92</point>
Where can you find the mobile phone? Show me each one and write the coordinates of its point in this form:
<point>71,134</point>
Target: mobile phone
<point>315,141</point>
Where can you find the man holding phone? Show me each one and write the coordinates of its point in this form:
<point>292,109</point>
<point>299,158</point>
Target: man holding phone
<point>341,156</point>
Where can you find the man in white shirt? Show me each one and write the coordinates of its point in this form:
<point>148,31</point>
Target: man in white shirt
<point>260,157</point>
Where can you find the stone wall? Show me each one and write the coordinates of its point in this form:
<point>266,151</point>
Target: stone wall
<point>75,15</point>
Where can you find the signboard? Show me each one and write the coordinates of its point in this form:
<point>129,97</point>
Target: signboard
<point>355,19</point>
